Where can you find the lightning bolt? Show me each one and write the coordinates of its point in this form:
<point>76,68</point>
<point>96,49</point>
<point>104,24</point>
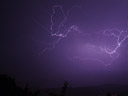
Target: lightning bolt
<point>60,33</point>
<point>63,30</point>
<point>120,35</point>
<point>92,59</point>
<point>66,31</point>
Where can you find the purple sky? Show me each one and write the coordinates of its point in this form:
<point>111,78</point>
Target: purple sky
<point>26,33</point>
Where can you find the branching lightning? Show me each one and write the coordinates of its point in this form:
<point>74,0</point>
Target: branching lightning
<point>63,30</point>
<point>60,33</point>
<point>120,38</point>
<point>66,31</point>
<point>94,59</point>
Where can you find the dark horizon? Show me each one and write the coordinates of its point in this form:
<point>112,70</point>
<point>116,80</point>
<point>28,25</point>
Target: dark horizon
<point>33,52</point>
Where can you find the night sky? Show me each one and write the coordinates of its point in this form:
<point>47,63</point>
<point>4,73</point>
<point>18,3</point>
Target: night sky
<point>33,52</point>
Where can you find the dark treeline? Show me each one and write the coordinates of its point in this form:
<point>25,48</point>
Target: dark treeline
<point>8,87</point>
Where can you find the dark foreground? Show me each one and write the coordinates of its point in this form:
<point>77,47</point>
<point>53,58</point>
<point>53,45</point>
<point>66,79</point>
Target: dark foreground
<point>8,87</point>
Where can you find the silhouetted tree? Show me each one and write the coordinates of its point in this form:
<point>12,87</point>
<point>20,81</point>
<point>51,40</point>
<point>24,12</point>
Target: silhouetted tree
<point>52,94</point>
<point>64,88</point>
<point>63,91</point>
<point>8,88</point>
<point>108,94</point>
<point>37,93</point>
<point>26,90</point>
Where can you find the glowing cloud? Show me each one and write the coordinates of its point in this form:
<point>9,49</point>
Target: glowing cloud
<point>61,30</point>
